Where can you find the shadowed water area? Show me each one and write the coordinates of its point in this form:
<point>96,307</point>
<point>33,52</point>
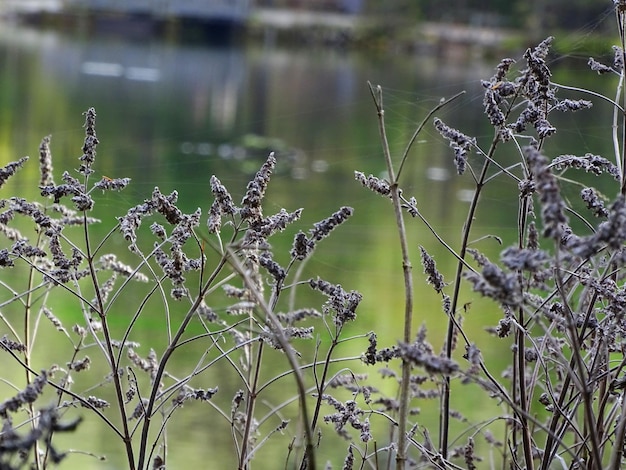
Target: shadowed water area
<point>171,115</point>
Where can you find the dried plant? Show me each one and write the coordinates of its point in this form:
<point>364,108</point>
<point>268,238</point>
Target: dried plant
<point>558,301</point>
<point>172,258</point>
<point>559,288</point>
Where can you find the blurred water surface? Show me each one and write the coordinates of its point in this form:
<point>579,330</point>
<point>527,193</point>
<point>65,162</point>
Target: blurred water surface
<point>171,115</point>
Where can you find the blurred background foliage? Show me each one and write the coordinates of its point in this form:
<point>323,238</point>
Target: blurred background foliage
<point>562,14</point>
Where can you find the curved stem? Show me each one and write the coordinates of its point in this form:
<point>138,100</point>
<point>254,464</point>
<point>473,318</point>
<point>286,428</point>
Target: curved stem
<point>274,323</point>
<point>420,127</point>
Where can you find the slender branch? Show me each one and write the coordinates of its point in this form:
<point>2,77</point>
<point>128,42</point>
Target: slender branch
<point>442,103</point>
<point>119,392</point>
<point>467,227</point>
<point>580,373</point>
<point>165,358</point>
<point>614,103</point>
<point>520,339</point>
<point>250,405</point>
<point>66,391</point>
<point>274,323</point>
<point>322,383</point>
<point>401,457</point>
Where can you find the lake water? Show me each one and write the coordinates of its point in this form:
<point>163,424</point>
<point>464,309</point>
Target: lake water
<point>171,115</point>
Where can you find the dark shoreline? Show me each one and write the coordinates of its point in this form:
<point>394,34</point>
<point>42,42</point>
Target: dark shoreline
<point>298,28</point>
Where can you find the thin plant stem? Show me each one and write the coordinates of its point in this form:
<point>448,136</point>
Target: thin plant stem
<point>582,379</point>
<point>519,392</point>
<point>28,305</point>
<point>66,391</point>
<point>127,439</point>
<point>250,405</point>
<point>253,391</point>
<point>620,433</point>
<point>418,130</point>
<point>403,413</point>
<point>614,103</point>
<point>621,112</point>
<point>321,383</point>
<point>274,323</point>
<point>445,405</point>
<point>165,358</point>
<point>481,179</point>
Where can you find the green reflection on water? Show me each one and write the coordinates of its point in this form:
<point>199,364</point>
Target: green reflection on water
<point>174,132</point>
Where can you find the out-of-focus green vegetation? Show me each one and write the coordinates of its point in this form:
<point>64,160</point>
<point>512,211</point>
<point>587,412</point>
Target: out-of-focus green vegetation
<point>539,14</point>
<point>585,25</point>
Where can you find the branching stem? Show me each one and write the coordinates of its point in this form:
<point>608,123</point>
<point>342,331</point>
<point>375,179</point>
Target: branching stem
<point>401,457</point>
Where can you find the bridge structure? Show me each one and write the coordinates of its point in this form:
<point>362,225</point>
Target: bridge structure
<point>235,11</point>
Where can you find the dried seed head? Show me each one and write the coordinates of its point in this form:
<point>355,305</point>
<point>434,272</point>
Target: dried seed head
<point>140,409</point>
<point>45,163</point>
<point>496,284</point>
<point>223,199</point>
<point>273,268</point>
<point>524,259</point>
<point>343,303</point>
<point>10,345</point>
<point>502,69</point>
<point>302,246</point>
<point>96,402</point>
<point>214,221</point>
<point>618,59</point>
<point>112,184</point>
<point>26,396</point>
<point>10,169</point>
<point>589,162</point>
<point>458,141</point>
<point>432,363</point>
<point>323,228</point>
<point>598,67</point>
<point>435,278</point>
<point>373,183</point>
<point>251,203</point>
<point>80,364</point>
<point>260,231</point>
<point>89,146</point>
<point>53,319</point>
<point>552,205</point>
<point>369,357</point>
<point>572,105</point>
<point>594,202</point>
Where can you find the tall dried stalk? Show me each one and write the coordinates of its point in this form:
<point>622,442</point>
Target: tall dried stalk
<point>397,202</point>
